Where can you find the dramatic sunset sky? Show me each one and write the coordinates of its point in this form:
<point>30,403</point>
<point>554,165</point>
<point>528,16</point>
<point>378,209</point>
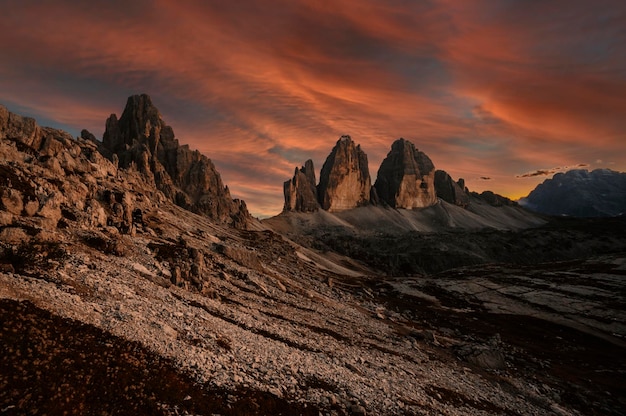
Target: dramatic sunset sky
<point>502,93</point>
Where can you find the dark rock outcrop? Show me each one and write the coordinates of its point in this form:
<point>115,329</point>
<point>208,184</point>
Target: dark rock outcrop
<point>301,192</point>
<point>406,178</point>
<point>450,191</point>
<point>344,179</point>
<point>140,138</point>
<point>494,199</point>
<point>580,193</point>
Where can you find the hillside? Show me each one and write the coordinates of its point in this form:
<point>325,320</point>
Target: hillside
<point>127,289</point>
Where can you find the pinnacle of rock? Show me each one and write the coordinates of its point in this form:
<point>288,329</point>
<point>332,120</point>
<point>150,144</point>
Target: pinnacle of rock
<point>300,191</point>
<point>344,179</point>
<point>141,138</point>
<point>406,178</point>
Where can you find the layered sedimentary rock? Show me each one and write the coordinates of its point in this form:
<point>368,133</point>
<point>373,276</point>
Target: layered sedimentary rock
<point>300,191</point>
<point>406,178</point>
<point>141,138</point>
<point>449,190</point>
<point>344,179</point>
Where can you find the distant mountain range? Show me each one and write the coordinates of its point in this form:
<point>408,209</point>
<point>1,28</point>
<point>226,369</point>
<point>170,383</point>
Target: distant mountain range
<point>580,193</point>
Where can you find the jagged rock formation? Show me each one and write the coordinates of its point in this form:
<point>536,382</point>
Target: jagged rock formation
<point>450,191</point>
<point>406,178</point>
<point>344,179</point>
<point>580,193</point>
<point>141,138</point>
<point>46,177</point>
<point>301,192</point>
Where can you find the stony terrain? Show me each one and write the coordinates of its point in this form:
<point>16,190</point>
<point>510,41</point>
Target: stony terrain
<point>116,299</point>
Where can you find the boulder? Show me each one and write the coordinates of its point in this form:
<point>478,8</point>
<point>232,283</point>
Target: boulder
<point>344,179</point>
<point>11,200</point>
<point>23,130</point>
<point>14,236</point>
<point>406,178</point>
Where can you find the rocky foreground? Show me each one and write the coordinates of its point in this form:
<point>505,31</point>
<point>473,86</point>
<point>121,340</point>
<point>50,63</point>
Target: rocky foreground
<point>272,331</point>
<point>116,298</point>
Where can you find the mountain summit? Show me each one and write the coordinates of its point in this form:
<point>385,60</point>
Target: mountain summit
<point>580,193</point>
<point>300,191</point>
<point>345,178</point>
<point>141,138</point>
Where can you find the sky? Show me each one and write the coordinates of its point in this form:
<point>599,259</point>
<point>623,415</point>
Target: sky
<point>502,93</point>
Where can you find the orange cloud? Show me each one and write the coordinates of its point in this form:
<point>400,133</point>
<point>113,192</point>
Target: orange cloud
<point>486,89</point>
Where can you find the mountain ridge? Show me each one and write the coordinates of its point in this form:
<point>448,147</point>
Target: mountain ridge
<point>580,193</point>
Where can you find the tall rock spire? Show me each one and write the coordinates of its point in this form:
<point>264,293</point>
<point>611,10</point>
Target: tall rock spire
<point>406,178</point>
<point>300,191</point>
<point>344,179</point>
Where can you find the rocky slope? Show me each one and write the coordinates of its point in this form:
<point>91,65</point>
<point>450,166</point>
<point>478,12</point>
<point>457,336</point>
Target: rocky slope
<point>344,179</point>
<point>406,177</point>
<point>115,299</point>
<point>580,193</point>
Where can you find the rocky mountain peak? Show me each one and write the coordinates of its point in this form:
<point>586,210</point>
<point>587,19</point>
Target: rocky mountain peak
<point>139,143</point>
<point>141,138</point>
<point>406,178</point>
<point>344,179</point>
<point>140,121</point>
<point>301,192</point>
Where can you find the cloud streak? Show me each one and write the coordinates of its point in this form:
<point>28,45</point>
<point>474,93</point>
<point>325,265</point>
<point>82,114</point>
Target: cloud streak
<point>485,88</point>
<point>551,171</point>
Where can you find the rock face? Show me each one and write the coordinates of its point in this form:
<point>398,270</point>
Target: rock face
<point>450,191</point>
<point>580,193</point>
<point>406,178</point>
<point>344,179</point>
<point>49,180</point>
<point>141,138</point>
<point>301,192</point>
